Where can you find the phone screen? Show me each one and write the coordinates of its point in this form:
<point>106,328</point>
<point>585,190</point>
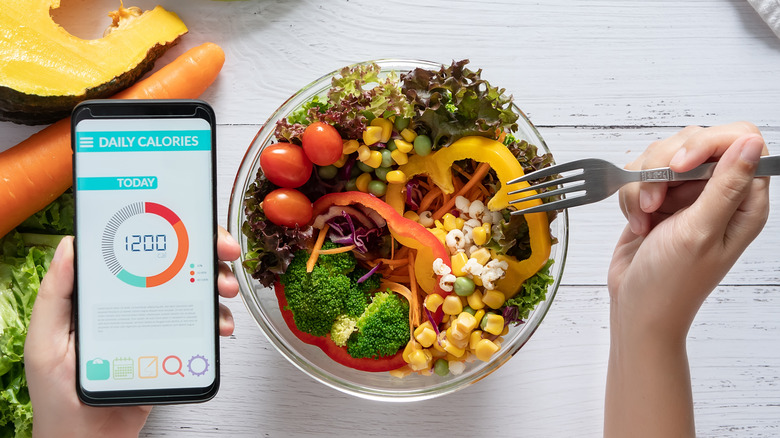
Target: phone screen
<point>145,256</point>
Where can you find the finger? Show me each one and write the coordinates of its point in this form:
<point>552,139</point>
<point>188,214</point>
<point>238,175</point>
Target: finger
<point>227,247</point>
<point>51,316</point>
<point>708,143</point>
<point>226,282</point>
<point>728,187</point>
<point>226,323</point>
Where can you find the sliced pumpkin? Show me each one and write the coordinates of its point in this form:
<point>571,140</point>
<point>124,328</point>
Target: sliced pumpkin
<point>45,71</point>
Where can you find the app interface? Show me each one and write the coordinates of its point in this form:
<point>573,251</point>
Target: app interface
<point>145,254</point>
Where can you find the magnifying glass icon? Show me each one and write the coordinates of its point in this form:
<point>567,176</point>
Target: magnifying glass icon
<point>176,369</point>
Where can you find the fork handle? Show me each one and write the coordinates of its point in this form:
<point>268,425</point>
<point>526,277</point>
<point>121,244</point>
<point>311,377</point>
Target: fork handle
<point>767,166</point>
<point>662,174</point>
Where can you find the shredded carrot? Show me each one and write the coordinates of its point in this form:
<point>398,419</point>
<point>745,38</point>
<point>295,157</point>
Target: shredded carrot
<point>388,262</point>
<point>461,171</point>
<point>397,278</point>
<point>336,250</point>
<point>480,173</point>
<point>315,252</point>
<point>428,199</point>
<point>415,304</point>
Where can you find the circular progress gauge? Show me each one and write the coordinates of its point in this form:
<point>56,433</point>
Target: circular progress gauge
<point>109,237</point>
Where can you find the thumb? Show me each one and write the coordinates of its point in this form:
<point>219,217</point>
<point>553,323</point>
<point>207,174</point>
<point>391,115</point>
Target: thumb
<point>51,316</point>
<point>728,187</point>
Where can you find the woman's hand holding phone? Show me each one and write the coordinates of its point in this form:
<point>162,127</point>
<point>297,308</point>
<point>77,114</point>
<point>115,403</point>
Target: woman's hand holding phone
<point>50,357</point>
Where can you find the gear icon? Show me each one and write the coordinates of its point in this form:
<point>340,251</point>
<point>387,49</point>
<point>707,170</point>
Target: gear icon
<point>205,365</point>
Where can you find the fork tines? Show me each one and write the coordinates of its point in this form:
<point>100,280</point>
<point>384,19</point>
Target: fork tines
<point>543,173</point>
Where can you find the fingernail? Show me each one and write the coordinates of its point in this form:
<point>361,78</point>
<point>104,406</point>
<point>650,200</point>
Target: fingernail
<point>645,200</point>
<point>633,224</point>
<point>751,151</point>
<point>678,158</point>
<point>58,252</point>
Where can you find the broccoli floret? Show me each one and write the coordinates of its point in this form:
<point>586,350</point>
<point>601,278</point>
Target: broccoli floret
<point>341,263</point>
<point>382,329</point>
<point>317,298</point>
<point>342,329</point>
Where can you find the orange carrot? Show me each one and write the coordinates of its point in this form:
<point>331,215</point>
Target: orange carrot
<point>428,199</point>
<point>414,304</point>
<point>38,170</point>
<point>480,173</point>
<point>315,252</point>
<point>338,250</point>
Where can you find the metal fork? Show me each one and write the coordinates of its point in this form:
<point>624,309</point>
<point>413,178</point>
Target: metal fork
<point>599,179</point>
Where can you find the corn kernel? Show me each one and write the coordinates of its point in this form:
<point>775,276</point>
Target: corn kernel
<point>493,298</point>
<point>411,346</point>
<point>437,223</point>
<point>485,350</point>
<point>452,349</point>
<point>479,314</point>
<point>362,182</point>
<point>479,236</point>
<point>475,300</point>
<point>437,352</point>
<point>505,331</point>
<point>426,337</point>
<point>474,339</point>
<point>400,373</point>
<point>466,322</point>
<point>364,153</point>
<point>350,146</point>
<point>459,222</point>
<point>409,214</point>
<point>341,161</point>
<point>452,305</point>
<point>448,220</point>
<point>458,261</point>
<point>493,324</point>
<point>372,135</point>
<point>439,233</point>
<point>399,157</point>
<point>482,255</point>
<point>396,176</point>
<point>421,327</point>
<point>387,128</point>
<point>403,146</point>
<point>419,359</point>
<point>408,135</point>
<point>433,301</point>
<point>374,160</point>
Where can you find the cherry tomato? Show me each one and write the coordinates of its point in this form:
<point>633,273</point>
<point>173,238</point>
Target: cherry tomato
<point>322,143</point>
<point>285,165</point>
<point>287,207</point>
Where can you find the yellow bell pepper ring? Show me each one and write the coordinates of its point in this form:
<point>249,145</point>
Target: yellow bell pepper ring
<point>485,150</point>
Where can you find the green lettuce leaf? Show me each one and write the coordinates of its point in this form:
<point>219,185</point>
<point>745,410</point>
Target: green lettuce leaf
<point>456,102</point>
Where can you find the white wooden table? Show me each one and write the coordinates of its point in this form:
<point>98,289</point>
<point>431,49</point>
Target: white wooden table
<point>598,78</point>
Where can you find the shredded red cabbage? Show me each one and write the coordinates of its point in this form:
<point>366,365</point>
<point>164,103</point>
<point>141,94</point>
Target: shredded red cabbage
<point>413,194</point>
<point>433,323</point>
<point>369,273</point>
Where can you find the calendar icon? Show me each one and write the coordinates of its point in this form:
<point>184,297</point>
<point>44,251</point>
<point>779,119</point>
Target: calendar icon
<point>123,368</point>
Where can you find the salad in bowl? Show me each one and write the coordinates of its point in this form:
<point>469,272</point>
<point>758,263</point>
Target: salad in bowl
<point>380,254</point>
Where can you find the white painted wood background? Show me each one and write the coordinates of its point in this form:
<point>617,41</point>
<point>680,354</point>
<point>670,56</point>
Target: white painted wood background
<point>599,78</point>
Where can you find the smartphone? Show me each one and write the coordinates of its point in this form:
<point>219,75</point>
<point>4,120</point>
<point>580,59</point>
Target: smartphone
<point>146,301</point>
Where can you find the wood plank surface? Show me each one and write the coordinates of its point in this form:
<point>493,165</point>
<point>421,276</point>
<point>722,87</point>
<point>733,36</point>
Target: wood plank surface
<point>598,78</point>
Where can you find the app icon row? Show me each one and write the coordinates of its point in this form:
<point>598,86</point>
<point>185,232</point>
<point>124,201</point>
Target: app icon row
<point>145,367</point>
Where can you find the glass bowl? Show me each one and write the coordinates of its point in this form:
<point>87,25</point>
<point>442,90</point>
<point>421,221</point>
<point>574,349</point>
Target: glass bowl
<point>264,308</point>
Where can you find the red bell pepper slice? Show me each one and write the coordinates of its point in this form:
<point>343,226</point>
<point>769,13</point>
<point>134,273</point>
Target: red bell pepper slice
<point>338,354</point>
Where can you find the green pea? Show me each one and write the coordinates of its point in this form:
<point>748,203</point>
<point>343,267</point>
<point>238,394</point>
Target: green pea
<point>381,173</point>
<point>422,145</point>
<point>390,145</point>
<point>365,168</point>
<point>464,286</point>
<point>328,172</point>
<point>355,172</point>
<point>441,367</point>
<point>387,158</point>
<point>400,123</point>
<point>351,185</point>
<point>377,188</point>
<point>468,309</point>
